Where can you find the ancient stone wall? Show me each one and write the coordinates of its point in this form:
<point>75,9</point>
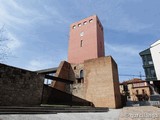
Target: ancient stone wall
<point>117,93</point>
<point>20,87</point>
<point>78,88</point>
<point>102,84</point>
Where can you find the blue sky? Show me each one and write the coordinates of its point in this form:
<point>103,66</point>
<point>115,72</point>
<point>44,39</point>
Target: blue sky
<point>39,30</point>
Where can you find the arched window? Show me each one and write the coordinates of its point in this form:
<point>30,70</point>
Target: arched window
<point>81,74</point>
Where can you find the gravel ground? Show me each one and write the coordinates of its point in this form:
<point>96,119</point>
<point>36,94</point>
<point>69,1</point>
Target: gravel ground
<point>112,114</point>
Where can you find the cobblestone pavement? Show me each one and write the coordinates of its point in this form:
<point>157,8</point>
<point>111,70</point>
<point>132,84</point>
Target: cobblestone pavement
<point>140,113</point>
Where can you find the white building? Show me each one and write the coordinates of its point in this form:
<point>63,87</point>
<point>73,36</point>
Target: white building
<point>155,53</point>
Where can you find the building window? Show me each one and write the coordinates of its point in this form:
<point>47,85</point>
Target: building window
<point>137,92</point>
<point>125,88</point>
<point>79,25</point>
<point>85,22</point>
<point>81,44</point>
<point>74,67</point>
<point>74,26</point>
<point>143,92</point>
<point>81,74</point>
<point>150,62</point>
<point>91,20</point>
<point>153,74</point>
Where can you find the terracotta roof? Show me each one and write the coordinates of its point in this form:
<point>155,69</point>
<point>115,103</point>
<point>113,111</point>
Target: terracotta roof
<point>135,80</point>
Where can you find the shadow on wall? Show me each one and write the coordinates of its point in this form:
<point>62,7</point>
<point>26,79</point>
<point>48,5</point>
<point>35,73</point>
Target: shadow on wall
<point>54,96</point>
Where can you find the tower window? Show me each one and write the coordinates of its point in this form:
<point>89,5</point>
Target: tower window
<point>79,25</point>
<point>74,26</point>
<point>85,22</point>
<point>91,20</point>
<point>81,44</point>
<point>81,74</point>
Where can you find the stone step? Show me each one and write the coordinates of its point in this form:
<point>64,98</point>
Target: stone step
<point>49,110</point>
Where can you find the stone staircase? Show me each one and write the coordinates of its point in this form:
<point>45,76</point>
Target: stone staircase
<point>49,110</point>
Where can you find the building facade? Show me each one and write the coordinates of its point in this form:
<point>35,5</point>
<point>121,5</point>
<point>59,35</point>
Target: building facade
<point>135,89</point>
<point>151,58</point>
<point>86,40</point>
<point>148,65</point>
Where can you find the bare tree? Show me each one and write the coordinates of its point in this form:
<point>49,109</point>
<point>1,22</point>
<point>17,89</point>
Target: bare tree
<point>3,45</point>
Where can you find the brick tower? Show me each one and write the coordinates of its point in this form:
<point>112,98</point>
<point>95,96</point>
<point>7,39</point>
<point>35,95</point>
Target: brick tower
<point>86,40</point>
<point>94,75</point>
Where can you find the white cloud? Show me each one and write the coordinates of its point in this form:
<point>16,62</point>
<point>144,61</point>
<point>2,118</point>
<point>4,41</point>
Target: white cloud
<point>37,64</point>
<point>16,16</point>
<point>126,56</point>
<point>7,13</point>
<point>123,49</point>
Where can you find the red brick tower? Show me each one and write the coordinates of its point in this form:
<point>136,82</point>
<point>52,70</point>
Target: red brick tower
<point>86,40</point>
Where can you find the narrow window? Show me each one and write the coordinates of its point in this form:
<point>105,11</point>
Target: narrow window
<point>137,92</point>
<point>84,23</point>
<point>79,25</point>
<point>143,92</point>
<point>91,20</point>
<point>74,26</point>
<point>81,44</point>
<point>81,74</point>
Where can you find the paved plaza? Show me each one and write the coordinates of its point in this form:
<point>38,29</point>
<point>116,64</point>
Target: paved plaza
<point>126,113</point>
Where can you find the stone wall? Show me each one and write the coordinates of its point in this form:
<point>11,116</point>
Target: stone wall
<point>118,101</point>
<point>102,84</point>
<point>78,88</point>
<point>20,87</point>
<point>77,68</point>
